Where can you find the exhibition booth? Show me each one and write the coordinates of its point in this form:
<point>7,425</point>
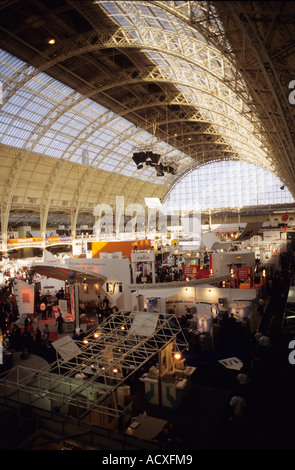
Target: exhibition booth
<point>169,381</point>
<point>205,299</point>
<point>202,307</point>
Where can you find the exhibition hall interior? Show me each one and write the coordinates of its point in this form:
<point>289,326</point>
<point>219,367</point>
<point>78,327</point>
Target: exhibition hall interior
<point>147,294</point>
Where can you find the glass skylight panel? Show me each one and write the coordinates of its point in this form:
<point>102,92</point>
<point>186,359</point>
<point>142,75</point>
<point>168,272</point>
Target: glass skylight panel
<point>13,141</point>
<point>91,108</point>
<point>227,184</point>
<point>108,134</point>
<point>85,122</point>
<point>127,172</point>
<point>142,9</point>
<point>20,133</point>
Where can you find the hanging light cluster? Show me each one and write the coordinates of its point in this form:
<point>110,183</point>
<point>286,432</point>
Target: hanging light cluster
<point>153,159</point>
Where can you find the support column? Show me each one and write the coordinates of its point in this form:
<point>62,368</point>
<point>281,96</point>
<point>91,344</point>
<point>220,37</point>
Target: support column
<point>76,306</point>
<point>74,218</point>
<point>43,222</point>
<point>4,225</point>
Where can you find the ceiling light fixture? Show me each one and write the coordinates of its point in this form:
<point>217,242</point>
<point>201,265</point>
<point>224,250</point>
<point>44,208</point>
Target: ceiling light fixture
<point>153,159</point>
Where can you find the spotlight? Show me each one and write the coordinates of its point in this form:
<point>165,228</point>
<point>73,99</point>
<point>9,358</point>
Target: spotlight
<point>152,159</point>
<point>160,170</point>
<point>72,276</point>
<point>155,157</point>
<point>139,158</point>
<point>172,169</point>
<point>148,160</point>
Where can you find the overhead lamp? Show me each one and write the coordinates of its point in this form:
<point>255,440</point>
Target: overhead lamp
<point>72,276</point>
<point>172,168</point>
<point>160,170</point>
<point>152,159</point>
<point>139,158</point>
<point>51,41</point>
<point>148,159</point>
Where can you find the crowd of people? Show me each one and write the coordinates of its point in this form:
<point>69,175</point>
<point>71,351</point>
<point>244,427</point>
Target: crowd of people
<point>29,339</point>
<point>162,274</point>
<point>258,388</point>
<point>35,336</point>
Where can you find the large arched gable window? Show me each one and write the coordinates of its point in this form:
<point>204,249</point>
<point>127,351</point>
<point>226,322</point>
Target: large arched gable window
<point>227,184</point>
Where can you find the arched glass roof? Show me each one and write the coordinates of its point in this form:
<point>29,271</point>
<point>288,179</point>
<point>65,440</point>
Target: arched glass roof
<point>43,115</point>
<point>203,74</point>
<point>226,184</point>
<point>150,64</point>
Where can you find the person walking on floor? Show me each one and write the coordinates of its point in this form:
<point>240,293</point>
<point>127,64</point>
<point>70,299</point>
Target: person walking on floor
<point>46,335</point>
<point>59,323</point>
<point>43,310</point>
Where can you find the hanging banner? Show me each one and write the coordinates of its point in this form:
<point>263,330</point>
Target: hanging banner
<point>251,229</point>
<point>63,307</point>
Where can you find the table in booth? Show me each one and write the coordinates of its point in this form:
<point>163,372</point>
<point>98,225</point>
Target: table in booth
<point>69,325</point>
<point>174,386</point>
<point>146,427</point>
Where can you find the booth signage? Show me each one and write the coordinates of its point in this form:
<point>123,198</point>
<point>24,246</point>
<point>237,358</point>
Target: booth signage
<point>138,257</point>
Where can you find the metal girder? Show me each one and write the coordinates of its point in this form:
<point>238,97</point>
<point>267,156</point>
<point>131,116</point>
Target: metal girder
<point>214,65</point>
<point>278,97</point>
<point>209,58</point>
<point>109,355</point>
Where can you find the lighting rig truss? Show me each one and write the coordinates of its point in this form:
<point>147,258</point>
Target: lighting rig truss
<point>153,159</point>
<point>86,374</point>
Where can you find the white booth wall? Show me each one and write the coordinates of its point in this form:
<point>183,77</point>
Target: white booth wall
<point>181,298</point>
<point>221,263</point>
<point>51,286</point>
<point>175,299</point>
<point>117,271</point>
<point>213,294</point>
<point>198,299</point>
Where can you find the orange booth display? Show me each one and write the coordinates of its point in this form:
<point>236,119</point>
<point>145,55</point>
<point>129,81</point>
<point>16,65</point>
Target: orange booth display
<point>125,247</point>
<point>24,240</point>
<point>245,277</point>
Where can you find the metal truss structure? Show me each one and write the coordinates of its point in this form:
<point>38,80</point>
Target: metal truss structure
<point>86,374</point>
<point>204,81</point>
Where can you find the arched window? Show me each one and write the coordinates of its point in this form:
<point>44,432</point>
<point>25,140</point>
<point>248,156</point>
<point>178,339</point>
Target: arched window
<point>226,184</point>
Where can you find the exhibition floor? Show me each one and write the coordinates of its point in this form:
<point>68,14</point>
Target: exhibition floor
<point>202,420</point>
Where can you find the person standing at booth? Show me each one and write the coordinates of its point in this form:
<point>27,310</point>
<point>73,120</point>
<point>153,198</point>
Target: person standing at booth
<point>43,310</point>
<point>59,323</point>
<point>45,336</point>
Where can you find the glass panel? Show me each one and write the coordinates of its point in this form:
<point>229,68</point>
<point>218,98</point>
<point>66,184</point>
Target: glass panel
<point>226,184</point>
<point>48,117</point>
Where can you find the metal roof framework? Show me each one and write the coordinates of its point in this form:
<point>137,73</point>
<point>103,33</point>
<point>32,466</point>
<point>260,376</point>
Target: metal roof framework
<point>108,356</point>
<point>204,81</point>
